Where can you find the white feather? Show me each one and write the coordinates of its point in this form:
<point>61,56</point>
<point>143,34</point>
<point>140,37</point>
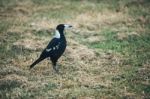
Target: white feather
<point>57,34</point>
<point>48,50</point>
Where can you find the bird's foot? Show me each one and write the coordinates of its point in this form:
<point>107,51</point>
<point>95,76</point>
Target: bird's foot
<point>56,68</point>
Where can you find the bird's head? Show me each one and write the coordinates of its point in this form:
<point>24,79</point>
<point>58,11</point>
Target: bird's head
<point>62,27</point>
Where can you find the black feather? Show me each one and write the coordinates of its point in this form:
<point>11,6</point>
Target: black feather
<point>54,49</point>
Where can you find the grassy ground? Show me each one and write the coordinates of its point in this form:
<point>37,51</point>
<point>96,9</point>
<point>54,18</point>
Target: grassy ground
<point>107,56</point>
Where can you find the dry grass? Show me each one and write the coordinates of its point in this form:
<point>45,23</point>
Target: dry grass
<point>87,72</point>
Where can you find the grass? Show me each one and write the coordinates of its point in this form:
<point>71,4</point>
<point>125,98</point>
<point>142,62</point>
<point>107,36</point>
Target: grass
<point>107,54</point>
<point>133,46</point>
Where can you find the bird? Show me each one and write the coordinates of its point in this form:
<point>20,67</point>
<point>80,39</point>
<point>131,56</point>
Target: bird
<point>55,48</point>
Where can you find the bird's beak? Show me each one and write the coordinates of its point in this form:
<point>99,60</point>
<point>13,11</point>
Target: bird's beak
<point>70,26</point>
<point>67,26</point>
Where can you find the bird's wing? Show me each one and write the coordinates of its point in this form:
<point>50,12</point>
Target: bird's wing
<point>53,44</point>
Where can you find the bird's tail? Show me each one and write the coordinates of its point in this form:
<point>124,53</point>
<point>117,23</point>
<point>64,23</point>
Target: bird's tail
<point>36,62</point>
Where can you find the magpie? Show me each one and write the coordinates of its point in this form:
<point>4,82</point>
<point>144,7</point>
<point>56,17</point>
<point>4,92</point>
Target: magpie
<point>55,48</point>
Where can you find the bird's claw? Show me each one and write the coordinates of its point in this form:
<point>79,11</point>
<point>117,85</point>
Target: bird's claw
<point>56,69</point>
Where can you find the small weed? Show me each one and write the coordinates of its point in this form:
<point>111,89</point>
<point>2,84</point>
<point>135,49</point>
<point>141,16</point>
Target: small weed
<point>49,86</point>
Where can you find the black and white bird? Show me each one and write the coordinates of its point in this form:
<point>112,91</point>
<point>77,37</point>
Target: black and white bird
<point>55,48</point>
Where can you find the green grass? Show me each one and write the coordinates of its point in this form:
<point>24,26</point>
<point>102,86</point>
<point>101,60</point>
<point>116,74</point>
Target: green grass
<point>134,47</point>
<point>6,48</point>
<point>7,3</point>
<point>104,66</point>
<point>41,33</point>
<point>50,86</point>
<point>4,26</point>
<point>136,51</point>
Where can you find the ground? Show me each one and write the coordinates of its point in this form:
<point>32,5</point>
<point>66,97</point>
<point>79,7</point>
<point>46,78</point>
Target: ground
<point>107,55</point>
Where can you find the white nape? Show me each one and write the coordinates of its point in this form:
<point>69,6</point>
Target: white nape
<point>57,34</point>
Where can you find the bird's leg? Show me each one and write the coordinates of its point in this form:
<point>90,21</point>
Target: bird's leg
<point>55,67</point>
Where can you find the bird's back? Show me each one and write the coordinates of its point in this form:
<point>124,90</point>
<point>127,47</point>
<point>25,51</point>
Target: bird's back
<point>59,49</point>
<point>55,48</point>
